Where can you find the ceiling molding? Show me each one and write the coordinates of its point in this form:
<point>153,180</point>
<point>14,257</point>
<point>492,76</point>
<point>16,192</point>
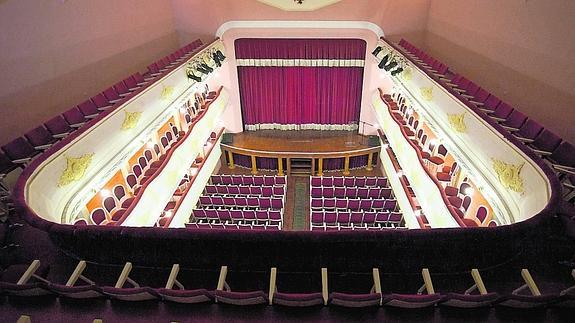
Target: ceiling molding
<point>306,5</point>
<point>287,24</point>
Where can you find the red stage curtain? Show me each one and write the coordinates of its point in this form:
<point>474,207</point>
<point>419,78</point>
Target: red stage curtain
<point>300,95</point>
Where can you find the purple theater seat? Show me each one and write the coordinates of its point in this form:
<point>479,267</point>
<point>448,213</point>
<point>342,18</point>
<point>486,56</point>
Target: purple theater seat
<point>89,109</point>
<point>19,151</point>
<point>526,301</point>
<point>185,296</point>
<point>12,281</point>
<point>298,300</point>
<point>480,97</point>
<point>131,83</point>
<point>121,89</point>
<point>40,138</point>
<point>355,300</point>
<point>349,181</point>
<point>382,181</point>
<point>98,216</point>
<point>240,298</point>
<point>112,95</point>
<point>545,143</point>
<point>132,294</point>
<point>101,102</point>
<point>563,157</point>
<point>491,103</point>
<point>529,131</point>
<point>139,78</point>
<point>502,112</point>
<point>58,127</point>
<point>316,192</point>
<point>469,301</point>
<point>76,292</point>
<point>317,217</point>
<point>74,117</point>
<point>514,122</point>
<point>412,300</point>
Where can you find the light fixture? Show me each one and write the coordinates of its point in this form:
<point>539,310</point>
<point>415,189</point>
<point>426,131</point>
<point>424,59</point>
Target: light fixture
<point>383,61</point>
<point>468,190</point>
<point>376,50</point>
<point>298,1</point>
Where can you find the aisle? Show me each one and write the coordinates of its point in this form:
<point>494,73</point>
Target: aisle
<point>301,202</point>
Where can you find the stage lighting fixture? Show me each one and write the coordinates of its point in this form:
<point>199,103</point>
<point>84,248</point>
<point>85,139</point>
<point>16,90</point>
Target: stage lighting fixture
<point>396,71</point>
<point>390,66</point>
<point>191,75</point>
<point>383,61</point>
<point>376,50</point>
<point>216,59</point>
<point>220,55</point>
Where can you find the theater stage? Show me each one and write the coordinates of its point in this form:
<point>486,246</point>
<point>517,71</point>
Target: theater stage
<point>302,151</point>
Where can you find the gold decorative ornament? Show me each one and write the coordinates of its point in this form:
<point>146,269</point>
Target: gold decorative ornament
<point>131,119</point>
<point>167,92</point>
<point>509,175</point>
<point>427,93</point>
<point>407,74</point>
<point>75,169</point>
<point>457,122</point>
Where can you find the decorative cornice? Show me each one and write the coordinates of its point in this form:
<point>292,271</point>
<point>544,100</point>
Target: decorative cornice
<point>457,122</point>
<point>75,169</point>
<point>299,24</point>
<point>509,175</point>
<point>131,119</point>
<point>167,92</point>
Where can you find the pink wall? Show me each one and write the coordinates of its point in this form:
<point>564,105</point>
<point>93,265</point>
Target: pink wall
<point>395,17</point>
<point>228,76</point>
<point>55,54</point>
<point>520,50</point>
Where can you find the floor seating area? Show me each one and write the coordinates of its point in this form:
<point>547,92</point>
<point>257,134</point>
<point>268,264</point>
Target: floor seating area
<point>241,202</point>
<point>352,203</point>
<point>130,283</point>
<point>559,154</point>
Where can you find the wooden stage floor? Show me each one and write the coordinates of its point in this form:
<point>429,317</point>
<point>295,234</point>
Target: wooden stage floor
<point>303,141</point>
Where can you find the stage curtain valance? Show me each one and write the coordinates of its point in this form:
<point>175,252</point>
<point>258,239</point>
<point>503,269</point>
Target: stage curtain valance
<point>296,48</point>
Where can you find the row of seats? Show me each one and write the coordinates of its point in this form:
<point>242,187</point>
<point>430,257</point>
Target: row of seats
<point>257,180</point>
<point>276,203</point>
<point>351,192</point>
<point>348,181</point>
<point>354,220</point>
<point>268,216</point>
<point>265,191</point>
<point>21,150</point>
<point>31,281</point>
<point>333,203</point>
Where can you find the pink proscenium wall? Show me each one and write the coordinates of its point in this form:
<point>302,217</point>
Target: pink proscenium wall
<point>372,75</point>
<point>55,54</point>
<point>520,50</point>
